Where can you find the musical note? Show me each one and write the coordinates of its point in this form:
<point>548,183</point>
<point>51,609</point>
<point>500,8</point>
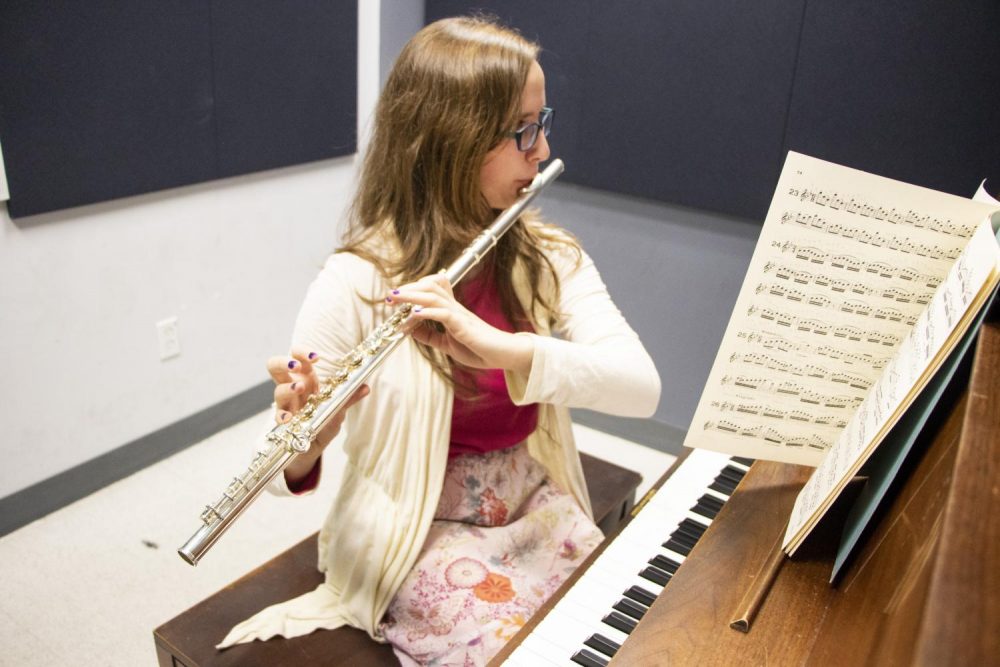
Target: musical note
<point>876,239</point>
<point>769,435</point>
<point>804,370</point>
<point>773,341</point>
<point>849,306</point>
<point>852,264</point>
<point>793,390</point>
<point>821,328</point>
<point>858,206</point>
<point>771,412</point>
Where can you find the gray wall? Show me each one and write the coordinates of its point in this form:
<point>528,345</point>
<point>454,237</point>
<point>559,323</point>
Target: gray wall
<point>674,272</point>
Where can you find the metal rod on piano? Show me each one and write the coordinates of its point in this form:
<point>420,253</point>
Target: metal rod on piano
<point>761,586</point>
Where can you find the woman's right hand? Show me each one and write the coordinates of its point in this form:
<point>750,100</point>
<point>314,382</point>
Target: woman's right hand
<point>295,380</point>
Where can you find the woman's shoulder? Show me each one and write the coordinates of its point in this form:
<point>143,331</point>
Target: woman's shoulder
<point>353,270</point>
<point>558,244</point>
<point>348,264</point>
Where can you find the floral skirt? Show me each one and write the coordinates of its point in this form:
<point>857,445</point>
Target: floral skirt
<point>504,538</point>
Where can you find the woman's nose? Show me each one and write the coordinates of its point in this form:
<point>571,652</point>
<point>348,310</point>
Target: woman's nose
<point>540,151</point>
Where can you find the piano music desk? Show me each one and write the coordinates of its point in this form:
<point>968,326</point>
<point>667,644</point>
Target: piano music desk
<point>189,639</point>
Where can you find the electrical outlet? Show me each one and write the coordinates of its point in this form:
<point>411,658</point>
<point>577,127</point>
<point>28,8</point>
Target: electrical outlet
<point>169,338</point>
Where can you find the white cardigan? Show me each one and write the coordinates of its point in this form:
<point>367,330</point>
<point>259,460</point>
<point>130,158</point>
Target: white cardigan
<point>396,440</point>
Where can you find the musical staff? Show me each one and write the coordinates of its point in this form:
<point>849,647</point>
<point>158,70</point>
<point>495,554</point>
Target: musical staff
<point>772,412</point>
<point>792,389</point>
<point>840,286</point>
<point>776,342</point>
<point>851,306</point>
<point>822,328</point>
<point>856,205</point>
<point>804,370</point>
<point>769,436</point>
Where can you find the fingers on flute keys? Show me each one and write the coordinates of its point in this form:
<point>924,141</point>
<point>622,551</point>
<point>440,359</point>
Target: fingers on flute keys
<point>295,380</point>
<point>432,298</point>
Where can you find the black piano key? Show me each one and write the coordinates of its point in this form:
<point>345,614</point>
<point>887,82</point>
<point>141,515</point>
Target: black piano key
<point>603,644</point>
<point>691,528</point>
<point>711,502</point>
<point>679,547</point>
<point>656,575</point>
<point>733,473</point>
<point>686,534</point>
<point>588,659</point>
<point>743,461</point>
<point>686,540</point>
<point>704,511</point>
<point>668,565</point>
<point>620,621</point>
<point>723,486</point>
<point>640,594</point>
<point>630,608</point>
<point>708,507</point>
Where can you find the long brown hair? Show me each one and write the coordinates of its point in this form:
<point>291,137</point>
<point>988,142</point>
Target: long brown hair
<point>452,96</point>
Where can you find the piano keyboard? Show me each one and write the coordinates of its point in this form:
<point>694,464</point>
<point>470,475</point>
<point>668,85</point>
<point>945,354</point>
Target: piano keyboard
<point>595,616</point>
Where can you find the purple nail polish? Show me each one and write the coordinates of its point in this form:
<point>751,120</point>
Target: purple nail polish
<point>395,291</point>
<point>292,365</point>
<point>388,299</point>
<point>417,309</point>
<point>295,385</point>
<point>312,355</point>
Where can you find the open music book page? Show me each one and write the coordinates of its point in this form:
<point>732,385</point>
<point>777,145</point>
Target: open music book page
<point>954,305</point>
<point>844,269</point>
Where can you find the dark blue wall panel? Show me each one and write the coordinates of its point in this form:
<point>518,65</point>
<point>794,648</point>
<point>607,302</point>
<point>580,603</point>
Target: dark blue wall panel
<point>907,90</point>
<point>285,82</point>
<point>106,100</point>
<point>103,100</point>
<point>696,102</point>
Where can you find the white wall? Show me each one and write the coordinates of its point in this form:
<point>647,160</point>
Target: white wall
<point>82,289</point>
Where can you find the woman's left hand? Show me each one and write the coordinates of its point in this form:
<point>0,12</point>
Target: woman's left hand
<point>462,336</point>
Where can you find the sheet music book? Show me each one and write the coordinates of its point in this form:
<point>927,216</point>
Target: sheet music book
<point>857,290</point>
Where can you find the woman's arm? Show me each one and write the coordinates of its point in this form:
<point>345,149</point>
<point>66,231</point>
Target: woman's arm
<point>598,361</point>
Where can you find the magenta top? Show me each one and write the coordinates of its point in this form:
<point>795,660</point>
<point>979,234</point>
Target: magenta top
<point>490,421</point>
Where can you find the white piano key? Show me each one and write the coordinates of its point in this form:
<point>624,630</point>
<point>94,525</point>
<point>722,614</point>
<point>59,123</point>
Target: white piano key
<point>524,656</point>
<point>569,616</point>
<point>547,651</point>
<point>579,614</point>
<point>562,631</point>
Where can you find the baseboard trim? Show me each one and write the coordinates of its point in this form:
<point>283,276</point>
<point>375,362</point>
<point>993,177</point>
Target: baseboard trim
<point>661,437</point>
<point>49,495</point>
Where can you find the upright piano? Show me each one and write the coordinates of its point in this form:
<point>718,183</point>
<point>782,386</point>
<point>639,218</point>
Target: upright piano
<point>923,588</point>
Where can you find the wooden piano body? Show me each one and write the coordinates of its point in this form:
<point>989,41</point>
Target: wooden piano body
<point>923,589</point>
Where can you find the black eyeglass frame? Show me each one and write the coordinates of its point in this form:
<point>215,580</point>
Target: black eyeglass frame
<point>544,123</point>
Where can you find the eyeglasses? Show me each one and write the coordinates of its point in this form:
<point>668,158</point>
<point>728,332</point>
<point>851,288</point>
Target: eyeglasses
<point>527,135</point>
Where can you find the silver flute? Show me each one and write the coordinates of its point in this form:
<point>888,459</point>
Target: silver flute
<point>286,441</point>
